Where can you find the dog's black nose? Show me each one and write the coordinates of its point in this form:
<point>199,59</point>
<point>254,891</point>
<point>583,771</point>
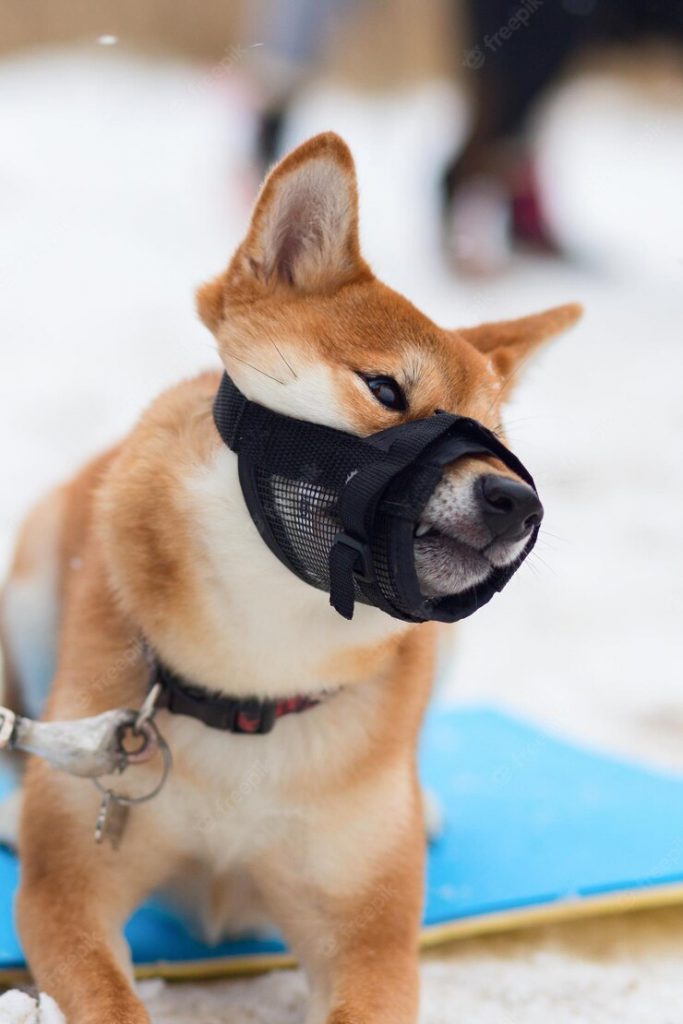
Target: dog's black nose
<point>509,508</point>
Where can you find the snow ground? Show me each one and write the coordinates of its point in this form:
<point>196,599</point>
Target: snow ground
<point>123,183</point>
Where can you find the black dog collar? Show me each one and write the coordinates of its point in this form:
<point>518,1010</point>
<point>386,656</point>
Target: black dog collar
<point>241,715</point>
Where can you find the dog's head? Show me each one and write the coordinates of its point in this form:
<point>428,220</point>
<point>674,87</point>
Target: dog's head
<point>305,328</point>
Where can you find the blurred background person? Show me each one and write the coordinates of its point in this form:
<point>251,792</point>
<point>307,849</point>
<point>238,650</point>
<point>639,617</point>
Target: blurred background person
<point>295,38</point>
<point>514,51</point>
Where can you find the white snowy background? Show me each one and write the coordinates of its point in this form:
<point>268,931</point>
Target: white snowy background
<point>125,182</point>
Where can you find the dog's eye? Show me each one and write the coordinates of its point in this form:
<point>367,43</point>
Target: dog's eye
<point>387,391</point>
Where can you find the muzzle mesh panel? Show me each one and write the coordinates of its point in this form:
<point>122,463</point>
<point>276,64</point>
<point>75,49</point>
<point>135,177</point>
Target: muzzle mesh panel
<point>339,510</point>
<point>303,517</point>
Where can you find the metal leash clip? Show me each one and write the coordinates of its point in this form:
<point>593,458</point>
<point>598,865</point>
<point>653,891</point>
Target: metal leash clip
<point>114,807</point>
<point>92,747</point>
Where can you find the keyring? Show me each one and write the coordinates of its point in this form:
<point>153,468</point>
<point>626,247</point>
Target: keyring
<point>146,732</point>
<point>148,727</point>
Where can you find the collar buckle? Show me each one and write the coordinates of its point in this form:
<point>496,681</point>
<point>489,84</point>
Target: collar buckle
<point>253,716</point>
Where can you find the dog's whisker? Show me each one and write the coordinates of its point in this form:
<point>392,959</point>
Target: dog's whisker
<point>554,536</point>
<point>289,366</point>
<point>251,366</point>
<point>544,546</point>
<point>257,369</point>
<point>529,566</point>
<point>535,555</point>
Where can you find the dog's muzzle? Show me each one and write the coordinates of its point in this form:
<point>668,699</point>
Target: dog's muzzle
<point>340,511</point>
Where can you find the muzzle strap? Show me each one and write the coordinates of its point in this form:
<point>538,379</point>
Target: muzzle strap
<point>340,510</point>
<point>346,564</point>
<point>351,554</point>
<point>228,409</point>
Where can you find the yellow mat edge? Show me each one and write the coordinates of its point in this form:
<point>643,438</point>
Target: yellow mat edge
<point>624,901</point>
<point>602,905</point>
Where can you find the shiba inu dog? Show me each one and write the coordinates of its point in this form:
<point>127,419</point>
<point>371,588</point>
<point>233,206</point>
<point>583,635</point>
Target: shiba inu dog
<point>318,825</point>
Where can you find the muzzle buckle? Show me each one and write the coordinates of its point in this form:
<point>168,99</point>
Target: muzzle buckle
<point>349,558</point>
<point>362,564</point>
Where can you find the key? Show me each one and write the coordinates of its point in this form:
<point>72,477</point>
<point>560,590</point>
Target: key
<point>111,820</point>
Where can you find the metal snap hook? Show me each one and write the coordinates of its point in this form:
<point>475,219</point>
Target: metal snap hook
<point>137,743</point>
<point>157,741</point>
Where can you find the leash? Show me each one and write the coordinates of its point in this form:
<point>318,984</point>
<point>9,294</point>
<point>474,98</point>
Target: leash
<point>104,744</point>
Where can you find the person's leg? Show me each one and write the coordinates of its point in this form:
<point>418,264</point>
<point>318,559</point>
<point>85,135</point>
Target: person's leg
<point>293,38</point>
<point>516,51</point>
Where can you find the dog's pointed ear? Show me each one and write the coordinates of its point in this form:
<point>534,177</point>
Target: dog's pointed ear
<point>303,235</point>
<point>304,229</point>
<point>509,343</point>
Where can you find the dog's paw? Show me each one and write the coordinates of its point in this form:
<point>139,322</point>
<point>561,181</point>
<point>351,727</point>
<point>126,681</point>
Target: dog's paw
<point>20,1008</point>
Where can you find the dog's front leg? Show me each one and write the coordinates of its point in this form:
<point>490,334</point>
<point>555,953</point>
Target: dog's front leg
<point>347,891</point>
<point>75,897</point>
<point>366,971</point>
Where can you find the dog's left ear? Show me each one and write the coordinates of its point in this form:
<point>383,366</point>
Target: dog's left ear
<point>509,343</point>
<point>303,236</point>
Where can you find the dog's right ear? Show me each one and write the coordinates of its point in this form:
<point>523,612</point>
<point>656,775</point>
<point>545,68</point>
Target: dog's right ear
<point>510,343</point>
<point>303,235</point>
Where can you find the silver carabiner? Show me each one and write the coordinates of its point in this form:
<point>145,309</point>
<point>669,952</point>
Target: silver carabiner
<point>94,747</point>
<point>155,742</point>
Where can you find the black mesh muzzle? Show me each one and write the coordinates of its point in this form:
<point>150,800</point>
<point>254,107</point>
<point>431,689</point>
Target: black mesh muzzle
<point>340,511</point>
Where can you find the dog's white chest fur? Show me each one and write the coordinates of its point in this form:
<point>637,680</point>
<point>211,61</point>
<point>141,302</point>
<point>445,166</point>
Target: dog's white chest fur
<point>239,806</point>
<point>273,630</point>
<point>235,802</point>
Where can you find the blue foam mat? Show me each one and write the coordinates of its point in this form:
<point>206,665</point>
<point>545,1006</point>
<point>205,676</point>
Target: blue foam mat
<point>531,821</point>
